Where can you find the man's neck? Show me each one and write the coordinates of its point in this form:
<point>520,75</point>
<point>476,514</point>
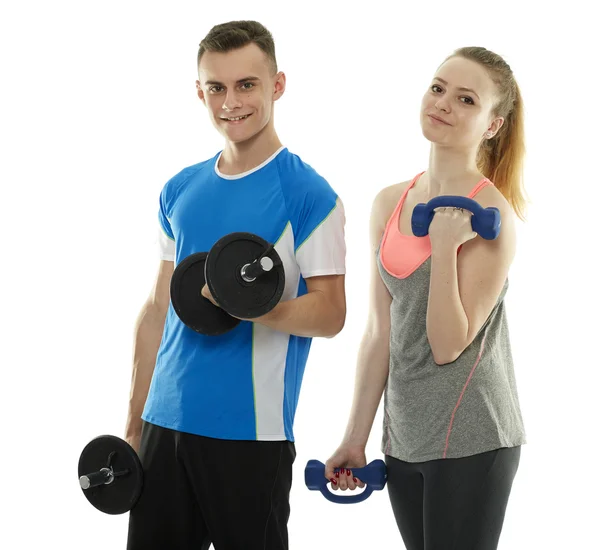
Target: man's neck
<point>238,158</point>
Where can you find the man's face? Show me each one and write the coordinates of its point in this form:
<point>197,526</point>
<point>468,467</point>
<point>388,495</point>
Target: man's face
<point>239,90</point>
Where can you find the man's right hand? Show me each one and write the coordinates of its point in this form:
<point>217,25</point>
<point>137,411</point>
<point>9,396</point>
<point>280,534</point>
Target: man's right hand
<point>134,441</point>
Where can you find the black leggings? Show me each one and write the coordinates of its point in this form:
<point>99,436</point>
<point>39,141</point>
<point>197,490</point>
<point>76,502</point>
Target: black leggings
<point>452,504</point>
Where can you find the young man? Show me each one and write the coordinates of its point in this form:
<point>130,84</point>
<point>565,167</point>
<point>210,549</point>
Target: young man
<point>212,416</point>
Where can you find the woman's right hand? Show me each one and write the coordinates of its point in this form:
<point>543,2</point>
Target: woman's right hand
<point>345,458</point>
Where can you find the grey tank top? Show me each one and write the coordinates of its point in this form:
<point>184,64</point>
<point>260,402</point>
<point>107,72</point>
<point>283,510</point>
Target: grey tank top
<point>459,409</point>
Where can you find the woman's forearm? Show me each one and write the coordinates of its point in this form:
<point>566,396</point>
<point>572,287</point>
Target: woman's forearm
<point>371,378</point>
<point>447,322</point>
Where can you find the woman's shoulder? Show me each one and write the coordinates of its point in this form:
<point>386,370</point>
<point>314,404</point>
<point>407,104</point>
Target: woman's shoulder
<point>490,196</point>
<point>386,200</point>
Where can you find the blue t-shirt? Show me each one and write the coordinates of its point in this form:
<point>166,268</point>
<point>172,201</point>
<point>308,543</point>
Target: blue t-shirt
<point>243,384</point>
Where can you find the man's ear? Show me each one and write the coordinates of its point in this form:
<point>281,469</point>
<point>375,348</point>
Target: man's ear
<point>279,87</point>
<point>200,92</point>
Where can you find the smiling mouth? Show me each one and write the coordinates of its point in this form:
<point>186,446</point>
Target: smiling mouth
<point>236,118</point>
<point>439,120</point>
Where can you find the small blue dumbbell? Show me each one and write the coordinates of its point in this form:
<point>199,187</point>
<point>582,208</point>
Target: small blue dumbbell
<point>485,221</point>
<point>373,474</point>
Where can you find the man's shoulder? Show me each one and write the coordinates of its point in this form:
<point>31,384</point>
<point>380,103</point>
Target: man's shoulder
<point>299,177</point>
<point>186,174</point>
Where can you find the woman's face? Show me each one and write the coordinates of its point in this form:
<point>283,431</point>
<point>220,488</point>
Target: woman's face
<point>457,109</point>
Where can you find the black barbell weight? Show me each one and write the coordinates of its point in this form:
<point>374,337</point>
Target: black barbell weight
<point>243,272</point>
<point>245,275</point>
<point>110,474</point>
<point>194,310</point>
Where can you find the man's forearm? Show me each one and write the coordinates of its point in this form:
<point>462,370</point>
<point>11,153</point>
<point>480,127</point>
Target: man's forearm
<point>148,334</point>
<point>310,315</point>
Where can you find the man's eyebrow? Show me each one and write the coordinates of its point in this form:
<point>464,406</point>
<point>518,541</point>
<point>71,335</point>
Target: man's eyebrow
<point>462,89</point>
<point>240,81</point>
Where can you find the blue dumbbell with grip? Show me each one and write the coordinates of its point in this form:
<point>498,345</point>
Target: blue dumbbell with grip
<point>485,221</point>
<point>373,474</point>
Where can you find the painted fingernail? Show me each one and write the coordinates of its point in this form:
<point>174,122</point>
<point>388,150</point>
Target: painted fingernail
<point>337,474</point>
<point>355,480</point>
<point>343,469</point>
<point>333,481</point>
<point>348,472</point>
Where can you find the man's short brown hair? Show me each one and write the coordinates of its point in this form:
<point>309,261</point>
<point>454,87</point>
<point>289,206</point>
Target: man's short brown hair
<point>237,34</point>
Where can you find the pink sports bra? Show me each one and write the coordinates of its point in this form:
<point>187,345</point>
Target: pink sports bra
<point>402,254</point>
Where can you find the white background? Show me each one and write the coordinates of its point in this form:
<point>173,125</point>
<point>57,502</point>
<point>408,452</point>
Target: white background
<point>99,111</point>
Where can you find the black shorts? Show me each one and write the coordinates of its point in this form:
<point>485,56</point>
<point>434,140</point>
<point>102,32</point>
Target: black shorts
<point>199,490</point>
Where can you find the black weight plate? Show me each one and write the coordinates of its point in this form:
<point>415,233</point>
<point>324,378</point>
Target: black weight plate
<point>121,495</point>
<point>191,307</point>
<point>223,268</point>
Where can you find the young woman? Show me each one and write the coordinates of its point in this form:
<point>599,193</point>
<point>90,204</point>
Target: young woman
<point>437,336</point>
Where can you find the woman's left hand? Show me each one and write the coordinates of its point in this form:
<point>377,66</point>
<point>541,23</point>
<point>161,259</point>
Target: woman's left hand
<point>451,227</point>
